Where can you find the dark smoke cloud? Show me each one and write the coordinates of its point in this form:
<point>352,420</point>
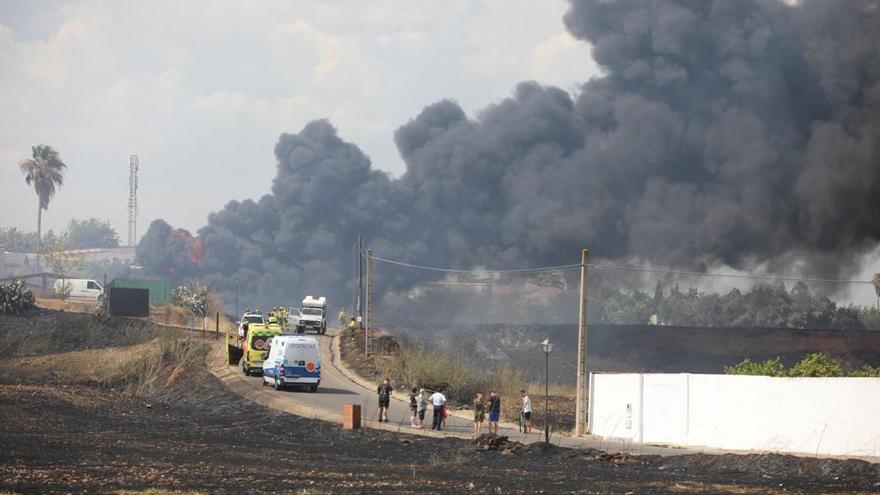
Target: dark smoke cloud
<point>721,132</point>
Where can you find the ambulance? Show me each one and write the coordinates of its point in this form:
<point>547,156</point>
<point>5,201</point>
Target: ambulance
<point>255,346</point>
<point>293,361</point>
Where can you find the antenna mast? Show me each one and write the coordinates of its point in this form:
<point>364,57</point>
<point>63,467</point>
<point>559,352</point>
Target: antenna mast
<point>132,199</point>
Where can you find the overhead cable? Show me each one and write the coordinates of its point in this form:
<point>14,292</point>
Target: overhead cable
<point>618,267</point>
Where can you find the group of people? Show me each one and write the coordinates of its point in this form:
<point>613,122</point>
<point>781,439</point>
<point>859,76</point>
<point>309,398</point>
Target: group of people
<point>418,404</point>
<point>278,315</point>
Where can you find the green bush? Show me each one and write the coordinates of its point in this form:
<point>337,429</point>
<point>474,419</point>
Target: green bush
<point>866,372</point>
<point>771,367</point>
<point>813,365</point>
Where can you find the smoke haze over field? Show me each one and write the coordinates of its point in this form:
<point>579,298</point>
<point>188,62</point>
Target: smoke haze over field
<point>723,133</point>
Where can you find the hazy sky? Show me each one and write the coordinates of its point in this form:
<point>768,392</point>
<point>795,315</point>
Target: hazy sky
<point>201,90</point>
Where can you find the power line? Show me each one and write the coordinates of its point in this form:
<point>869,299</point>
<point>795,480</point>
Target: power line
<point>493,272</point>
<point>619,267</point>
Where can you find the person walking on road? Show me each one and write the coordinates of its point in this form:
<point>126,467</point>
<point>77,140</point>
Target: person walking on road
<point>438,400</point>
<point>479,414</point>
<point>384,391</point>
<point>421,406</point>
<point>413,407</point>
<point>494,407</point>
<point>526,411</point>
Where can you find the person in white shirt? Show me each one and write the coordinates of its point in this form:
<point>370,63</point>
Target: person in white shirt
<point>527,411</point>
<point>438,400</point>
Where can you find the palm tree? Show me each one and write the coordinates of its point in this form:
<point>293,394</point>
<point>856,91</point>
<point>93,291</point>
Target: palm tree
<point>44,171</point>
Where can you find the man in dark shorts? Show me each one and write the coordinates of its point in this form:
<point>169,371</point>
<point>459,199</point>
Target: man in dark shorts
<point>384,391</point>
<point>494,407</point>
<point>413,407</point>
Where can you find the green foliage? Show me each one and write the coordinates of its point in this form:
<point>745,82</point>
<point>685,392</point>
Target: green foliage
<point>44,171</point>
<point>816,364</point>
<point>771,367</point>
<point>15,298</point>
<point>813,365</point>
<point>866,372</point>
<point>91,233</point>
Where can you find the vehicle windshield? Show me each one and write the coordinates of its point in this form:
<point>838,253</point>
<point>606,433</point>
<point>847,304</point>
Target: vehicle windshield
<point>253,319</point>
<point>311,311</point>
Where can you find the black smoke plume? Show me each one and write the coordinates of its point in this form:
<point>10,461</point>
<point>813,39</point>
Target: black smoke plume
<point>720,133</point>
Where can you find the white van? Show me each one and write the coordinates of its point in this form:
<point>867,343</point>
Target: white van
<point>79,288</point>
<point>293,360</point>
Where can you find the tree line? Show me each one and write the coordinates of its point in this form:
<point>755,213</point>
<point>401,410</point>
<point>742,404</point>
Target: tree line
<point>764,305</point>
<point>80,234</point>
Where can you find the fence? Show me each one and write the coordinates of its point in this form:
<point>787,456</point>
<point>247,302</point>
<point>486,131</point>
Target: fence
<point>829,416</point>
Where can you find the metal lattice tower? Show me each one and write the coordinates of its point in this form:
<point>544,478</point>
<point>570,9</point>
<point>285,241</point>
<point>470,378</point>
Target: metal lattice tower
<point>132,199</point>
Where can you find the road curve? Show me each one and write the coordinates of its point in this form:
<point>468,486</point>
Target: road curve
<point>337,389</point>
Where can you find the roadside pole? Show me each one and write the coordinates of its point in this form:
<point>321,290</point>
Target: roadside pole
<point>580,425</point>
<point>360,298</point>
<point>368,334</point>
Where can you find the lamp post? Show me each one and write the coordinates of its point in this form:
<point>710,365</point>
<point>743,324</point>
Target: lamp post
<point>548,348</point>
<point>236,299</point>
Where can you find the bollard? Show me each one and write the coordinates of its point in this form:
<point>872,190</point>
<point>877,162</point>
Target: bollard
<point>351,417</point>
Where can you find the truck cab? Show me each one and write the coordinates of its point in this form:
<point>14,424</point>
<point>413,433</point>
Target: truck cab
<point>293,361</point>
<point>313,315</point>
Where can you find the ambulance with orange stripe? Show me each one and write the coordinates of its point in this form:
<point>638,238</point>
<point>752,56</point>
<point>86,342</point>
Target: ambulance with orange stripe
<point>293,361</point>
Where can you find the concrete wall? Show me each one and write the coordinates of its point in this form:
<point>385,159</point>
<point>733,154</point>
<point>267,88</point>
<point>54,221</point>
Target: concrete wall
<point>831,416</point>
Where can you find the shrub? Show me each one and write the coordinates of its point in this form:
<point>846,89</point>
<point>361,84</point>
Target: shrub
<point>816,364</point>
<point>813,365</point>
<point>866,372</point>
<point>15,298</point>
<point>771,367</point>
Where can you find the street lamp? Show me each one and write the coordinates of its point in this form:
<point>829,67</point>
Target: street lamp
<point>548,348</point>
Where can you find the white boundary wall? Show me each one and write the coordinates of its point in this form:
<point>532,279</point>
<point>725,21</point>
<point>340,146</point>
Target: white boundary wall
<point>830,416</point>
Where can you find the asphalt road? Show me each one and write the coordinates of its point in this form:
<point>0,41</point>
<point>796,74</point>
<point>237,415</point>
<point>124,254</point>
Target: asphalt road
<point>337,390</point>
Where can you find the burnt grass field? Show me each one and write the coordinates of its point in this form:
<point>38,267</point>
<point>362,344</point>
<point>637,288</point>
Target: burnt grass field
<point>190,434</point>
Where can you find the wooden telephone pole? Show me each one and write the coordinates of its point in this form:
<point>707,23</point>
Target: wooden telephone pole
<point>580,424</point>
<point>368,333</point>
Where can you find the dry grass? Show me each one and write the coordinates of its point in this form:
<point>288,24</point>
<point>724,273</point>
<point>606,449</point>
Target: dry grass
<point>171,314</point>
<point>137,368</point>
<point>72,305</point>
<point>461,380</point>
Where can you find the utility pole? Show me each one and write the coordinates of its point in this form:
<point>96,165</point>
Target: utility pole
<point>133,165</point>
<point>368,334</point>
<point>580,422</point>
<point>354,300</point>
<point>359,310</point>
<point>237,315</point>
